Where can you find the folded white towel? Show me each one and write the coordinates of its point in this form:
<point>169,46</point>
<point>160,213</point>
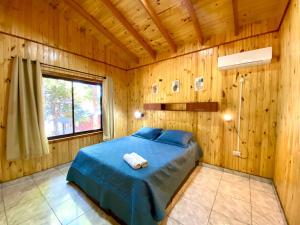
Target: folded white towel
<point>135,161</point>
<point>131,160</point>
<point>140,159</point>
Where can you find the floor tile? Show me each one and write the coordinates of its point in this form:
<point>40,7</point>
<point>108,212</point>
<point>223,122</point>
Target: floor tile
<point>25,211</point>
<point>17,187</point>
<point>190,213</point>
<point>60,194</point>
<point>50,182</point>
<point>220,219</point>
<point>46,174</point>
<point>2,218</point>
<point>20,194</point>
<point>197,194</point>
<point>239,190</point>
<point>1,206</point>
<point>211,172</point>
<point>261,179</point>
<point>261,186</point>
<point>71,209</point>
<point>169,221</point>
<point>94,217</point>
<point>64,171</point>
<point>265,216</point>
<point>64,168</point>
<point>207,181</point>
<point>29,201</point>
<point>232,178</point>
<point>17,181</point>
<point>210,166</point>
<point>48,218</point>
<point>237,173</point>
<point>264,200</point>
<point>174,201</point>
<point>233,208</point>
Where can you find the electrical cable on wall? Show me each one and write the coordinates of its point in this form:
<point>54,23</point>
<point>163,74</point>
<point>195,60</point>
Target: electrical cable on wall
<point>239,112</point>
<point>238,129</point>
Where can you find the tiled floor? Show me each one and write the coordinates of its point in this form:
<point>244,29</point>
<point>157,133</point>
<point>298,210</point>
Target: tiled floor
<point>209,197</point>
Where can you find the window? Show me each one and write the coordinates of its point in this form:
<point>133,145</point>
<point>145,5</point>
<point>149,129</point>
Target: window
<point>71,107</point>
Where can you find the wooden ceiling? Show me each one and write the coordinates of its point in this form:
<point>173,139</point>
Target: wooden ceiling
<point>150,27</point>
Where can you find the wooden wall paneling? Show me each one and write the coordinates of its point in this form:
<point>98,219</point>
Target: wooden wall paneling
<point>263,116</point>
<point>56,29</point>
<point>287,169</point>
<point>252,125</point>
<point>216,138</point>
<point>216,128</point>
<point>63,156</point>
<point>2,96</point>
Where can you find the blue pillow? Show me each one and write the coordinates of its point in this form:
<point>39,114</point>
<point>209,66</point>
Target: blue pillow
<point>148,133</point>
<point>175,137</point>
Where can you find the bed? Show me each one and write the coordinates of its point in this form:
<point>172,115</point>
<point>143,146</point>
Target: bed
<point>136,197</point>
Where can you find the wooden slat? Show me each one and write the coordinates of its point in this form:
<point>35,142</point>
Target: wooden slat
<point>194,18</point>
<point>150,10</point>
<point>191,106</point>
<point>129,27</point>
<point>153,106</point>
<point>75,6</point>
<point>202,106</point>
<point>235,16</point>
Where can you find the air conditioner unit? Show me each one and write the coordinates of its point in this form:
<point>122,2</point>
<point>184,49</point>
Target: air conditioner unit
<point>250,58</point>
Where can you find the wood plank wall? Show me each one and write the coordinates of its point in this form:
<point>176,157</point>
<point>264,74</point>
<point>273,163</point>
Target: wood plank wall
<point>42,22</point>
<point>67,35</point>
<point>287,164</point>
<point>216,138</point>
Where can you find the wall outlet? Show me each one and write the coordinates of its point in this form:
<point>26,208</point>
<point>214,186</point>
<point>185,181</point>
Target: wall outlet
<point>236,153</point>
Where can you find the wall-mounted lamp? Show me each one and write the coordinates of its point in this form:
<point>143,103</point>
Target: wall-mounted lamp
<point>138,114</point>
<point>227,117</point>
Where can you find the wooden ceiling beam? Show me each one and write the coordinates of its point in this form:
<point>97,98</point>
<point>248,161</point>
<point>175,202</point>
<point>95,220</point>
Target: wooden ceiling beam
<point>76,7</point>
<point>188,4</point>
<point>235,17</point>
<point>129,27</point>
<point>150,10</point>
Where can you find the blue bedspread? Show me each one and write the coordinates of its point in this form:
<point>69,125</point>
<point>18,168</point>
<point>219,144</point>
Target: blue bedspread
<point>137,197</point>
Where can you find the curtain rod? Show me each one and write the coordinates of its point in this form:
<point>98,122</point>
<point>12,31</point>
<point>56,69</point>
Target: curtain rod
<point>66,69</point>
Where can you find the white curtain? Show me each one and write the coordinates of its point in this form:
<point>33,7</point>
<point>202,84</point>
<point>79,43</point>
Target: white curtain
<point>108,109</point>
<point>25,120</point>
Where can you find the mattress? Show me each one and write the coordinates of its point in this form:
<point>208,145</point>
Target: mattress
<point>137,197</point>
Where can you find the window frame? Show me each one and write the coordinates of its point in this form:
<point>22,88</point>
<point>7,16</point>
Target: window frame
<point>73,116</point>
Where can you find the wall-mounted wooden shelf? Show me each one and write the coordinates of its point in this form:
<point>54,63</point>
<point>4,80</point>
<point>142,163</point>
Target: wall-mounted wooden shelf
<point>191,106</point>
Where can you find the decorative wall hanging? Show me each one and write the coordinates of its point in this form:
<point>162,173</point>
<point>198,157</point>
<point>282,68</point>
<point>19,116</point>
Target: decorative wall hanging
<point>175,86</point>
<point>199,84</point>
<point>155,89</point>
